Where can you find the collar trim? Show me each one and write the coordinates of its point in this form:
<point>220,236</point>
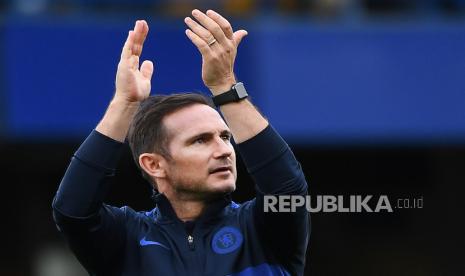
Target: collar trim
<point>164,212</point>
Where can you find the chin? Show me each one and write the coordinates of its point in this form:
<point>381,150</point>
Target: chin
<point>225,182</point>
<point>225,187</point>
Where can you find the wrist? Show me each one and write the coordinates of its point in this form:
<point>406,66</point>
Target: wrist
<point>118,116</point>
<point>122,100</point>
<point>124,104</point>
<point>224,87</point>
<point>235,94</point>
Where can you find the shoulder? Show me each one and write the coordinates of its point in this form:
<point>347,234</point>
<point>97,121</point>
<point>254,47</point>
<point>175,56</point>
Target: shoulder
<point>131,216</point>
<point>241,211</point>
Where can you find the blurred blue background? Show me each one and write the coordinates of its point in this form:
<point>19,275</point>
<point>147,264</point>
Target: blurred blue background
<point>369,93</point>
<point>323,71</point>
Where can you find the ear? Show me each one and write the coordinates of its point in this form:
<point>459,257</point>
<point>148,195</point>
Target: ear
<point>153,164</point>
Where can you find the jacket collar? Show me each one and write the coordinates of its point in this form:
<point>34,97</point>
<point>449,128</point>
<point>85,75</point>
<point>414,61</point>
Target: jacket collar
<point>165,212</point>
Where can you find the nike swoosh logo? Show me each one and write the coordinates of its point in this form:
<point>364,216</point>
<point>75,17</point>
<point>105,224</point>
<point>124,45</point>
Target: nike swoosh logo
<point>144,242</point>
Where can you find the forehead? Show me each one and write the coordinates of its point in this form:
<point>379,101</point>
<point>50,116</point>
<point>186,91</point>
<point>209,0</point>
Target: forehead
<point>192,120</point>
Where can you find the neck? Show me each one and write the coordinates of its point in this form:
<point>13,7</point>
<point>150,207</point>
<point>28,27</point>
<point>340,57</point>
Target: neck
<point>187,209</point>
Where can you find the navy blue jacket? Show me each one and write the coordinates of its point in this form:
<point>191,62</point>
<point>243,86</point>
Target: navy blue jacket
<point>227,239</point>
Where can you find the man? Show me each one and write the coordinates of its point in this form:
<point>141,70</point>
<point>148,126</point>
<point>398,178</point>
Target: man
<point>182,146</point>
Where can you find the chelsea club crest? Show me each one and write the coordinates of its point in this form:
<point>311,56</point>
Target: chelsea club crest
<point>226,240</point>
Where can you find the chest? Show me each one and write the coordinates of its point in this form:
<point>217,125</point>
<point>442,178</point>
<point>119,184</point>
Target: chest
<point>171,249</point>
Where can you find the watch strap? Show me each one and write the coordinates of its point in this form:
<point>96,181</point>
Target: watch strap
<point>226,97</point>
<point>231,96</point>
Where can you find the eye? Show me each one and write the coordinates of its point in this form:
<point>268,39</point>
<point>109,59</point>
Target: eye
<point>226,137</point>
<point>199,141</point>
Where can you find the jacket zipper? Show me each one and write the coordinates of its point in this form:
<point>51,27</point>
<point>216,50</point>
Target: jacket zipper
<point>190,241</point>
<point>189,225</point>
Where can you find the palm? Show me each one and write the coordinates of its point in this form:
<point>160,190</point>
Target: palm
<point>135,86</point>
<point>217,42</point>
<point>133,83</point>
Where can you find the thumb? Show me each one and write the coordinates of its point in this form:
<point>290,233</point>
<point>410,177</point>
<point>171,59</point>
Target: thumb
<point>238,36</point>
<point>147,69</point>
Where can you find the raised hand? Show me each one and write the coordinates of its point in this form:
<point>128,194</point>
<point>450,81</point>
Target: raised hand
<point>132,86</point>
<point>216,41</point>
<point>132,82</point>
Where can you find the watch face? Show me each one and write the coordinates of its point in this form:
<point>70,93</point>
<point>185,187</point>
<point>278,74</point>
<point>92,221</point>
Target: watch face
<point>240,89</point>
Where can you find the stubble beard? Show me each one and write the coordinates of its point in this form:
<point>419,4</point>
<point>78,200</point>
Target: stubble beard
<point>188,189</point>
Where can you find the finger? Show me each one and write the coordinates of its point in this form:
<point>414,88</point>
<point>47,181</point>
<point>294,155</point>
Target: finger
<point>222,22</point>
<point>199,42</point>
<point>147,69</point>
<point>239,35</point>
<point>134,62</point>
<point>127,48</point>
<point>140,34</point>
<point>210,25</point>
<point>199,29</point>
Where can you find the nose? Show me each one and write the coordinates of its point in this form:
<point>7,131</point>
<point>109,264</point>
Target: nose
<point>222,149</point>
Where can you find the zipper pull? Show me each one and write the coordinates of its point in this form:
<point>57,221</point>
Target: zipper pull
<point>190,241</point>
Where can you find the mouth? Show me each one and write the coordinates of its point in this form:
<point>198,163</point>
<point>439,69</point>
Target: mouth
<point>221,169</point>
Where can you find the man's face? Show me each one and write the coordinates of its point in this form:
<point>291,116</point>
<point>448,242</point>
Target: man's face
<point>203,161</point>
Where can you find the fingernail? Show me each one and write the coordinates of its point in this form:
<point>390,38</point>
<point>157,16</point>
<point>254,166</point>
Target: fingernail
<point>195,12</point>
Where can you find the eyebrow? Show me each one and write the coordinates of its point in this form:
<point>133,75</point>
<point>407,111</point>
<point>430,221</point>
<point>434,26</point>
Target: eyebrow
<point>208,135</point>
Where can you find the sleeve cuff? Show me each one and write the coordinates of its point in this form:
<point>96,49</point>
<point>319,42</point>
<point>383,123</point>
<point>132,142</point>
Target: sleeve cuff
<point>262,148</point>
<point>100,150</point>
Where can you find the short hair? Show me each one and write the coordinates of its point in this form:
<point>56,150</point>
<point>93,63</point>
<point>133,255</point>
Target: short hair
<point>147,133</point>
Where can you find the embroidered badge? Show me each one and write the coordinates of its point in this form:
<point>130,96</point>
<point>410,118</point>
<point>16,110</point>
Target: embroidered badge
<point>226,240</point>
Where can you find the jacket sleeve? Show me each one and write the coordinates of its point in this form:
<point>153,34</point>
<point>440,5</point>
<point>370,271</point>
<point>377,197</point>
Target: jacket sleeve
<point>94,231</point>
<point>275,171</point>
